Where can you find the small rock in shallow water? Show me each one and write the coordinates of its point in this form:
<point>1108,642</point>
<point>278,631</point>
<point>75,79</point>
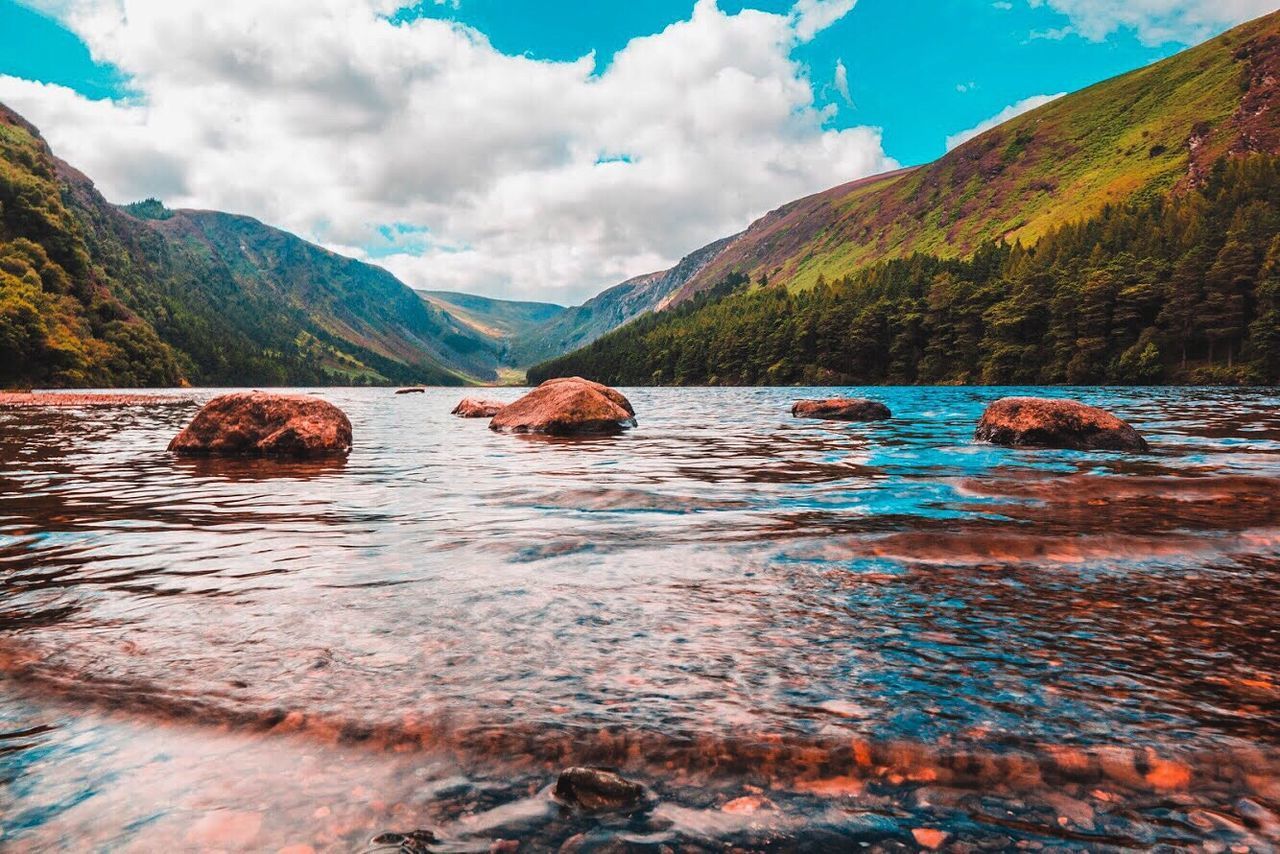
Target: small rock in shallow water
<point>474,407</point>
<point>261,424</point>
<point>1036,422</point>
<point>841,409</point>
<point>413,842</point>
<point>567,407</point>
<point>412,391</point>
<point>598,790</point>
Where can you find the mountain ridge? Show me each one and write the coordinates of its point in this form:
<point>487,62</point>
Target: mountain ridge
<point>1062,162</point>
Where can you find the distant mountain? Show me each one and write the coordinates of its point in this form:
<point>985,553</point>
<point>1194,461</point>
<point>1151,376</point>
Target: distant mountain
<point>1134,136</point>
<point>580,325</point>
<point>1126,233</point>
<point>95,294</point>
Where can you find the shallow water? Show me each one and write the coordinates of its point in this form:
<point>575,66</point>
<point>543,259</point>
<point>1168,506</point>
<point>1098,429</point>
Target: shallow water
<point>801,635</point>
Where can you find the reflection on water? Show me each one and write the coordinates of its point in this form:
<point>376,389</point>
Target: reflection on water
<point>801,635</point>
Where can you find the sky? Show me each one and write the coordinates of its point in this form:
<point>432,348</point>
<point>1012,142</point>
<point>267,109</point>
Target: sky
<point>544,149</point>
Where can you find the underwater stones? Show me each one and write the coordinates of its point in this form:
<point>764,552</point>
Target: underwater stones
<point>842,409</point>
<point>413,842</point>
<point>1035,422</point>
<point>475,407</point>
<point>599,790</point>
<point>261,424</point>
<point>567,407</point>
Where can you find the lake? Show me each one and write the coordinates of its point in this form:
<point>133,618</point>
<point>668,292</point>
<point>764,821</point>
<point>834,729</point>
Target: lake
<point>800,635</point>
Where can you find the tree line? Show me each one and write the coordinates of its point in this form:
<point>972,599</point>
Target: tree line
<point>1181,288</point>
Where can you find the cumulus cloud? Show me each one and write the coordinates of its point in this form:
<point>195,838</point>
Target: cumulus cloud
<point>1010,112</point>
<point>514,177</point>
<point>1157,21</point>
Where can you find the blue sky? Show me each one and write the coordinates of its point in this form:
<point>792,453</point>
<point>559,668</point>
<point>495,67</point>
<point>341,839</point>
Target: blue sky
<point>544,149</point>
<point>919,69</point>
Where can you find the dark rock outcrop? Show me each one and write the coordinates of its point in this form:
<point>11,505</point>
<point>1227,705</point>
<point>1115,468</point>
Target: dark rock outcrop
<point>567,407</point>
<point>842,409</point>
<point>261,424</point>
<point>412,391</point>
<point>1034,422</point>
<point>475,407</point>
<point>598,790</point>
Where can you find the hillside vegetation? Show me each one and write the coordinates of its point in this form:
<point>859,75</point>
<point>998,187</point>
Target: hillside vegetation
<point>1139,135</point>
<point>1124,234</point>
<point>1178,289</point>
<point>96,295</point>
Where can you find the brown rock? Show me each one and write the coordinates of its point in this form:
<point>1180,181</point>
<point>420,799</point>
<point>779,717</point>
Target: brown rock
<point>1035,422</point>
<point>598,790</point>
<point>475,407</point>
<point>261,424</point>
<point>841,409</point>
<point>411,391</point>
<point>565,407</point>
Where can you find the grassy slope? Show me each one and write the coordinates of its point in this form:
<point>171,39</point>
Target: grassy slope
<point>1141,133</point>
<point>494,319</point>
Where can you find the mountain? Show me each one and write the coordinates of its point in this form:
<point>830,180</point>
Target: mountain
<point>580,325</point>
<point>1134,136</point>
<point>506,324</point>
<point>92,294</point>
<point>1127,233</point>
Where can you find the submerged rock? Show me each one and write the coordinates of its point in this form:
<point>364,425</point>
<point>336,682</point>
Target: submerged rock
<point>566,407</point>
<point>1035,422</point>
<point>413,842</point>
<point>598,790</point>
<point>842,409</point>
<point>261,424</point>
<point>412,391</point>
<point>475,407</point>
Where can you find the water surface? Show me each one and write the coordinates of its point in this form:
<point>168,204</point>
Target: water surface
<point>801,635</point>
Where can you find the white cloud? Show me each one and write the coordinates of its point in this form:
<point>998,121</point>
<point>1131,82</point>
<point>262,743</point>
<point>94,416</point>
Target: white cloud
<point>841,82</point>
<point>1010,112</point>
<point>811,17</point>
<point>515,177</point>
<point>1157,21</point>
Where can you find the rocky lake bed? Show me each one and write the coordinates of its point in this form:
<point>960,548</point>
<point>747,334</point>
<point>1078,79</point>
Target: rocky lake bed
<point>719,627</point>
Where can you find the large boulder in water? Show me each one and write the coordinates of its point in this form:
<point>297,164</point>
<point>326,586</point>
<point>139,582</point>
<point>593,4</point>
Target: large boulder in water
<point>842,409</point>
<point>261,424</point>
<point>566,407</point>
<point>1036,422</point>
<point>475,407</point>
<point>599,790</point>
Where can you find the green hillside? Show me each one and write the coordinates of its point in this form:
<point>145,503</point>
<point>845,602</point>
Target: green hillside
<point>1123,234</point>
<point>1135,136</point>
<point>96,295</point>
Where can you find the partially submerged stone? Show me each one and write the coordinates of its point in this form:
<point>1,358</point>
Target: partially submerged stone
<point>599,790</point>
<point>262,424</point>
<point>842,409</point>
<point>476,407</point>
<point>1036,422</point>
<point>413,842</point>
<point>567,407</point>
<point>414,390</point>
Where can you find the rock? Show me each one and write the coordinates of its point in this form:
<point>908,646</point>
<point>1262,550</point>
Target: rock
<point>261,424</point>
<point>842,409</point>
<point>412,391</point>
<point>1035,422</point>
<point>413,842</point>
<point>598,790</point>
<point>475,407</point>
<point>566,407</point>
<point>927,837</point>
